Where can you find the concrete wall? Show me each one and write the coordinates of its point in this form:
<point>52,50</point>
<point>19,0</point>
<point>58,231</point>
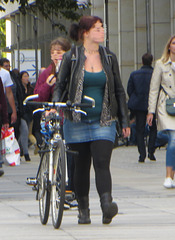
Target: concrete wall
<point>128,31</point>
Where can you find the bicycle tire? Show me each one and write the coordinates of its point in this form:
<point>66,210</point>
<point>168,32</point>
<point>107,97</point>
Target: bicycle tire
<point>44,189</point>
<point>58,184</point>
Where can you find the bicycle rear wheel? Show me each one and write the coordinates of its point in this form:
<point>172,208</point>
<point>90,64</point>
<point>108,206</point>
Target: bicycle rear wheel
<point>58,184</point>
<point>44,189</point>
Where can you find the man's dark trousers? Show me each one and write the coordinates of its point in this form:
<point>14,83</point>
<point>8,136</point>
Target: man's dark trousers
<point>140,133</point>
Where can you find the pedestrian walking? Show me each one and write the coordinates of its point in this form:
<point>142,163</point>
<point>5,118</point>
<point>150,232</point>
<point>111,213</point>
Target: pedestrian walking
<point>162,87</point>
<point>7,84</point>
<point>17,93</point>
<point>92,70</point>
<point>138,92</point>
<point>46,81</point>
<point>27,115</point>
<point>3,118</point>
<point>44,88</point>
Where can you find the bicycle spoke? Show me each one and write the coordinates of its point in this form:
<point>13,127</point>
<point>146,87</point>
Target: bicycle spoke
<point>58,187</point>
<point>43,189</point>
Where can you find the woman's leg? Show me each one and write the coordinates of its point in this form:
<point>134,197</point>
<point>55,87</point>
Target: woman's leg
<point>23,140</point>
<point>82,168</point>
<point>170,155</point>
<point>101,152</point>
<point>31,136</point>
<point>36,128</point>
<point>168,136</point>
<point>82,180</point>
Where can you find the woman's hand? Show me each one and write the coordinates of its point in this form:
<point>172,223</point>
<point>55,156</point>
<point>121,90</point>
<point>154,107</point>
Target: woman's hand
<point>126,132</point>
<point>47,112</point>
<point>13,117</point>
<point>150,119</point>
<point>51,80</point>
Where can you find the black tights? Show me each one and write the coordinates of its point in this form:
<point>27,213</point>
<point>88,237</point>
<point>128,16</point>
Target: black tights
<point>100,151</point>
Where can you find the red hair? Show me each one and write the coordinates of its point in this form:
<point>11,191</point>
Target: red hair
<point>85,24</point>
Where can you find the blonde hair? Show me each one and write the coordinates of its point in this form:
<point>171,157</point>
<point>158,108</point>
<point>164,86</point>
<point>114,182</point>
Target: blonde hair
<point>166,51</point>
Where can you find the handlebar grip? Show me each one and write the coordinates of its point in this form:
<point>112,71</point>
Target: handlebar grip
<point>34,103</point>
<point>83,105</point>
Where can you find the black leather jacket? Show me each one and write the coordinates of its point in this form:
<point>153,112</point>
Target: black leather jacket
<point>70,75</point>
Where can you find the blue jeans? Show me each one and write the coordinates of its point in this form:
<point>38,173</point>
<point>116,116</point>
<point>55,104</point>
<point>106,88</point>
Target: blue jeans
<point>169,137</point>
<point>24,133</point>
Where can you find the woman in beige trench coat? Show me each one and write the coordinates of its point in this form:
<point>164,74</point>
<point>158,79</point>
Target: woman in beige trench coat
<point>162,87</point>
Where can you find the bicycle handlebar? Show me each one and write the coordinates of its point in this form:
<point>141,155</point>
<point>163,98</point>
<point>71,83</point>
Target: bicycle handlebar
<point>67,104</point>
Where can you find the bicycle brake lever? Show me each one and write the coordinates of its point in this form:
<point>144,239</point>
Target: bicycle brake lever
<point>38,110</point>
<point>80,111</point>
<point>31,97</point>
<point>90,99</point>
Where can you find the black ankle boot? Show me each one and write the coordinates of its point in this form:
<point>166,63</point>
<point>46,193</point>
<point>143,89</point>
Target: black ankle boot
<point>27,158</point>
<point>109,208</point>
<point>84,212</point>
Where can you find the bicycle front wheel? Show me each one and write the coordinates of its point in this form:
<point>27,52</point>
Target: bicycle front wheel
<point>58,184</point>
<point>44,188</point>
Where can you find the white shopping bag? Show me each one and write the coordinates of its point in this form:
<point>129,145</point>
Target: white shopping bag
<point>10,147</point>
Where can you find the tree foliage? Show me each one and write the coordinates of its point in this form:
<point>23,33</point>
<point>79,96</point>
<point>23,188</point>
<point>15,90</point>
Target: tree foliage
<point>2,33</point>
<point>67,8</point>
<point>2,36</point>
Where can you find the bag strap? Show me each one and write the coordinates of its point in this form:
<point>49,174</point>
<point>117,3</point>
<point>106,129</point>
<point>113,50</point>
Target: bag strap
<point>164,91</point>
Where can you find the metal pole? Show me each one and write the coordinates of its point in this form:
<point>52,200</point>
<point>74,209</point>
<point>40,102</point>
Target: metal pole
<point>18,45</point>
<point>18,41</point>
<point>107,23</point>
<point>53,30</point>
<point>53,26</point>
<point>35,29</point>
<point>36,45</point>
<point>148,35</point>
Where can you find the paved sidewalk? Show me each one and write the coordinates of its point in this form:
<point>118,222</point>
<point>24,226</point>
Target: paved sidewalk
<point>146,209</point>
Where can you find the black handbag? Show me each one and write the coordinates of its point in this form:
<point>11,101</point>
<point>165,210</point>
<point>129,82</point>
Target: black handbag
<point>170,106</point>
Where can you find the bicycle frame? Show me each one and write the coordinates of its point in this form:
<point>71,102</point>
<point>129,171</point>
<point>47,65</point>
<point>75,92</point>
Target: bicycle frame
<point>50,143</point>
<point>50,178</point>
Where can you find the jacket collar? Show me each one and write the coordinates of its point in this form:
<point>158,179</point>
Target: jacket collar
<point>168,61</point>
<point>146,66</point>
<point>102,52</point>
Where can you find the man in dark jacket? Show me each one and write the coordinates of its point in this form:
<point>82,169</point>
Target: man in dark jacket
<point>138,91</point>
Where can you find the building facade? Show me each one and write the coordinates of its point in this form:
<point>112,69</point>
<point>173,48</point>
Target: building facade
<point>134,27</point>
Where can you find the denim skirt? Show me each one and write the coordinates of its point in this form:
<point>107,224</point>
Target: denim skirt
<point>87,131</point>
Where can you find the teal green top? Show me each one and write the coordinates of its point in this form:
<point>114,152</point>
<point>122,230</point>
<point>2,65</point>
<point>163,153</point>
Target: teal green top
<point>94,86</point>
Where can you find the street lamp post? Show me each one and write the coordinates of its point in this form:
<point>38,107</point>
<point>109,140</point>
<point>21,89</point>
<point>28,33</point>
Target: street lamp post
<point>18,45</point>
<point>35,28</point>
<point>18,41</point>
<point>106,23</point>
<point>148,35</point>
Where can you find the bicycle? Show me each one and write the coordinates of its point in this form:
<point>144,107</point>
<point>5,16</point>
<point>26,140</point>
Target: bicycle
<point>50,178</point>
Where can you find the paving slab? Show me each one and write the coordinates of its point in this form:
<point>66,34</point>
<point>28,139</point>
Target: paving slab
<point>146,208</point>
